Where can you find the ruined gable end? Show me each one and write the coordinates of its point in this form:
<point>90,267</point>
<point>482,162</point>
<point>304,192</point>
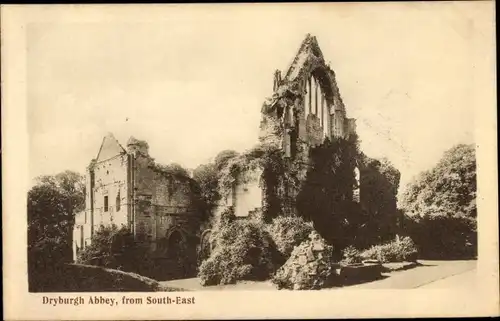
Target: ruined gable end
<point>305,107</point>
<point>110,148</point>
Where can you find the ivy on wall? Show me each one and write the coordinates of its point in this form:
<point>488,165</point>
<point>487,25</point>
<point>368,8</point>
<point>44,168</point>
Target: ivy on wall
<point>326,196</point>
<point>316,182</point>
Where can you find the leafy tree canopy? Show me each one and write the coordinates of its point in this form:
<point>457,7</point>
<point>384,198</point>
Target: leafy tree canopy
<point>69,183</point>
<point>223,158</point>
<point>326,198</point>
<point>448,189</point>
<point>206,175</point>
<point>379,187</point>
<point>52,204</point>
<point>173,169</point>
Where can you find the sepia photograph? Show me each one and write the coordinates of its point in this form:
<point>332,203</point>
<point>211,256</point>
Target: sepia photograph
<point>331,147</point>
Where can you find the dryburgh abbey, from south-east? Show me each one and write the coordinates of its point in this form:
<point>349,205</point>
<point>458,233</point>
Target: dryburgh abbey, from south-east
<point>126,300</point>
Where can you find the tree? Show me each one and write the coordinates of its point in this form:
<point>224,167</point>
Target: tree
<point>173,169</point>
<point>440,206</point>
<point>223,158</point>
<point>48,216</point>
<point>379,188</point>
<point>447,189</point>
<point>206,175</point>
<point>69,183</point>
<point>326,197</point>
<point>52,204</point>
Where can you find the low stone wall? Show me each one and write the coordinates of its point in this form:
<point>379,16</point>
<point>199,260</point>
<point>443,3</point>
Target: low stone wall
<point>399,266</point>
<point>359,272</point>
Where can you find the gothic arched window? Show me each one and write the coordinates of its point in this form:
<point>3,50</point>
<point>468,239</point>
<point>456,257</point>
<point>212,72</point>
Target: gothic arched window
<point>205,244</point>
<point>118,201</point>
<point>175,242</point>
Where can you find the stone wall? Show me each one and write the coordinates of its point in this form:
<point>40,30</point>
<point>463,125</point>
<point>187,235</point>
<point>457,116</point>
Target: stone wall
<point>350,126</point>
<point>164,203</point>
<point>248,194</point>
<point>126,188</point>
<point>107,199</point>
<point>81,231</point>
<point>111,184</point>
<point>314,130</point>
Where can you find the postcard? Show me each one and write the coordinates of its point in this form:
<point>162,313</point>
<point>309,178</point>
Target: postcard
<point>236,161</point>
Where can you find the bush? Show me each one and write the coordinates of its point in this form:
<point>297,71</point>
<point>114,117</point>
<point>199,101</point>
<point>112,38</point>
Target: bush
<point>243,251</point>
<point>350,255</point>
<point>288,232</point>
<point>400,250</point>
<point>310,266</point>
<point>45,257</point>
<point>115,248</point>
<point>445,237</point>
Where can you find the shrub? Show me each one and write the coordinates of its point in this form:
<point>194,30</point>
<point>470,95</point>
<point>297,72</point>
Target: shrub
<point>115,248</point>
<point>288,232</point>
<point>403,249</point>
<point>310,266</point>
<point>440,236</point>
<point>406,249</point>
<point>350,255</point>
<point>243,251</point>
<point>45,257</point>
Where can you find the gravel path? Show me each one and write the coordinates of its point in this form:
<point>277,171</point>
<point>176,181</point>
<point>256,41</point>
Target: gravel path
<point>431,274</point>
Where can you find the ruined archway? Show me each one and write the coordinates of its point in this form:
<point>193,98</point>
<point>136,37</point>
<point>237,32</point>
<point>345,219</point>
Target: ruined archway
<point>175,244</point>
<point>177,255</point>
<point>206,246</point>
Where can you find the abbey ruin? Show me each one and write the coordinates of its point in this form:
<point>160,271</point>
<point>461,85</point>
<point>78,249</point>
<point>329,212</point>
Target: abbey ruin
<point>125,188</point>
<point>304,109</point>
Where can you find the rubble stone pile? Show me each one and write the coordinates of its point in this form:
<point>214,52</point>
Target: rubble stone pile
<point>309,267</point>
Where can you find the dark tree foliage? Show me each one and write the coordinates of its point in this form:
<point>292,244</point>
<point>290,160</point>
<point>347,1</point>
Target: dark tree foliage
<point>114,247</point>
<point>206,175</point>
<point>223,158</point>
<point>69,183</point>
<point>52,204</point>
<point>173,169</point>
<point>440,206</point>
<point>379,185</point>
<point>326,197</point>
<point>443,237</point>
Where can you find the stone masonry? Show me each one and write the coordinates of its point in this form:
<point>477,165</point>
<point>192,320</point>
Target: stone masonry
<point>304,109</point>
<point>126,188</point>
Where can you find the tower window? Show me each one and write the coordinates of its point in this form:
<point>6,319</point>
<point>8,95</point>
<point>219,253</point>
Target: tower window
<point>118,201</point>
<point>106,203</point>
<point>293,144</point>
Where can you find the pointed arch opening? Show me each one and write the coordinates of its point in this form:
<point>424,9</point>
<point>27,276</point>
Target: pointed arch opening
<point>174,244</point>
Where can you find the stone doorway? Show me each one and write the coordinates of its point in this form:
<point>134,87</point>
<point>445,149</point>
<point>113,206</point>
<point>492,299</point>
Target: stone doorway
<point>175,244</point>
<point>206,246</point>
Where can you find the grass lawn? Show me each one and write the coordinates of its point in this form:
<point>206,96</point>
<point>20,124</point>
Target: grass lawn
<point>88,278</point>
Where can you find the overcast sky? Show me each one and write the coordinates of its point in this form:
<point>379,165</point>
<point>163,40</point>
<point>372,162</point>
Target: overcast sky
<point>192,81</point>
